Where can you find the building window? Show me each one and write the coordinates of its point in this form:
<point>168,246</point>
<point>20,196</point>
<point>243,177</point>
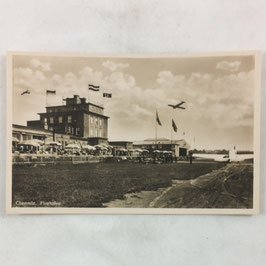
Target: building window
<point>60,119</point>
<point>78,131</point>
<point>26,137</point>
<point>91,119</point>
<point>51,128</point>
<point>69,119</point>
<point>68,129</point>
<point>51,120</point>
<point>100,122</point>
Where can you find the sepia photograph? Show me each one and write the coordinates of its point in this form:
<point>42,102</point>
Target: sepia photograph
<point>140,134</point>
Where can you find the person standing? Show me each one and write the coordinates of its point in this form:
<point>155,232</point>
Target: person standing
<point>190,157</point>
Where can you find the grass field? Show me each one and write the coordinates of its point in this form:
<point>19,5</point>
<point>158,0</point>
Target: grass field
<point>91,185</point>
<point>232,187</point>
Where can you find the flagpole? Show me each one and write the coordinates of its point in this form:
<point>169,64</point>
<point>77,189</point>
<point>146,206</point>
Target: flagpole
<point>88,94</point>
<point>172,126</point>
<point>171,134</point>
<point>156,129</point>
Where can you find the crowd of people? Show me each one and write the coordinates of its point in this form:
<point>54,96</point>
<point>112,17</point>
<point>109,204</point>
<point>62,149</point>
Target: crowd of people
<point>139,155</point>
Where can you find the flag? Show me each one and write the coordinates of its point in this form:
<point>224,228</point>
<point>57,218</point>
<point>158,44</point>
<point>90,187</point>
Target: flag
<point>157,119</point>
<point>50,92</point>
<point>107,95</point>
<point>93,87</point>
<point>174,125</point>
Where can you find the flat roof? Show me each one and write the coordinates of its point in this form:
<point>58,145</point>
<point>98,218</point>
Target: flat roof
<point>120,141</point>
<point>74,111</point>
<point>159,141</point>
<point>62,105</point>
<point>28,129</point>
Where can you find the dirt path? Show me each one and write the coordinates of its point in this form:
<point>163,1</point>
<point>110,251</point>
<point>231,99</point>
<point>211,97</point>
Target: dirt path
<point>228,187</point>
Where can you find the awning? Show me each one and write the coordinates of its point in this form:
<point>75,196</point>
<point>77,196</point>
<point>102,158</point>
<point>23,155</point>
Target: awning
<point>121,149</point>
<point>88,147</point>
<point>100,147</point>
<point>14,139</point>
<point>54,143</point>
<point>72,146</point>
<point>30,142</point>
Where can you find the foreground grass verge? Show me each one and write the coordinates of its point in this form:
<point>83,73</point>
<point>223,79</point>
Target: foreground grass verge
<point>232,187</point>
<point>91,185</point>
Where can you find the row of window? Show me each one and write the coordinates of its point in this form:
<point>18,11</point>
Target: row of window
<point>96,133</point>
<point>69,130</point>
<point>93,120</point>
<point>60,119</point>
<point>64,109</point>
<point>96,120</point>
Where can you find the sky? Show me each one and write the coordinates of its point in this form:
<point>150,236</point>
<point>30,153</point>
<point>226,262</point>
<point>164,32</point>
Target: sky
<point>218,92</point>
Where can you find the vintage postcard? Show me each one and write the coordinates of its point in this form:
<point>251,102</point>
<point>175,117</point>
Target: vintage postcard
<point>140,134</point>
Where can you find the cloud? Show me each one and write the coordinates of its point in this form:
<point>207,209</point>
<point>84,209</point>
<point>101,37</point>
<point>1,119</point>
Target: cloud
<point>114,66</point>
<point>214,105</point>
<point>27,78</point>
<point>225,101</point>
<point>40,65</point>
<point>228,66</point>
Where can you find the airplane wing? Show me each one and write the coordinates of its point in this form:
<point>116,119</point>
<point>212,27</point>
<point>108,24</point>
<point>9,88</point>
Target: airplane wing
<point>179,104</point>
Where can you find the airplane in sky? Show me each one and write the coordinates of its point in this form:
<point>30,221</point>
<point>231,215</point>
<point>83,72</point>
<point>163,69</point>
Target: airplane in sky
<point>25,92</point>
<point>174,106</point>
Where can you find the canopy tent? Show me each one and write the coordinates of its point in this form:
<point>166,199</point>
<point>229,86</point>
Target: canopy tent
<point>121,149</point>
<point>14,139</point>
<point>30,142</point>
<point>103,145</point>
<point>53,143</point>
<point>72,146</point>
<point>132,150</point>
<point>39,141</point>
<point>100,147</point>
<point>145,150</point>
<point>88,147</point>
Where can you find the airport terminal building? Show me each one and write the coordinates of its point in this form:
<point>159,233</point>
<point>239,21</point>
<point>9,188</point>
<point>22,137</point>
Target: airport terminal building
<point>75,122</point>
<point>179,147</point>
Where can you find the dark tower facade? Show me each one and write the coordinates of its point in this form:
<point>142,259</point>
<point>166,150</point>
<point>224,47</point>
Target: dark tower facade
<point>77,118</point>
